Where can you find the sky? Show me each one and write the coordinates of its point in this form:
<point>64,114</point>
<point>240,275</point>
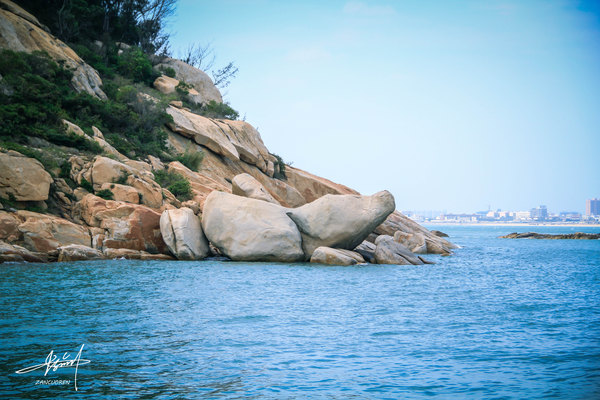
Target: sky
<point>450,105</point>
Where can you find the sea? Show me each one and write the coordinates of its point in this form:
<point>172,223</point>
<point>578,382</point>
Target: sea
<point>499,319</point>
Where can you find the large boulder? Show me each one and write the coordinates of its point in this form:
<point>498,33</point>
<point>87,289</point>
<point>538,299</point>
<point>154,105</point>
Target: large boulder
<point>415,242</point>
<point>20,31</point>
<point>182,232</point>
<point>199,80</point>
<point>77,252</point>
<point>329,256</point>
<point>341,221</point>
<point>126,226</point>
<point>399,222</point>
<point>389,251</point>
<point>203,131</point>
<point>367,251</point>
<point>23,177</point>
<point>13,252</point>
<point>45,233</point>
<point>250,230</point>
<point>236,140</point>
<point>245,185</point>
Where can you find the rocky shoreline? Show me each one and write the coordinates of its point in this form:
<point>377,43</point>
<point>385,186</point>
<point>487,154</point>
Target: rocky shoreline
<point>241,206</point>
<point>533,235</point>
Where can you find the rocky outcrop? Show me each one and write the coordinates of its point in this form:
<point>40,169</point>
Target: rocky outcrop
<point>245,185</point>
<point>250,230</point>
<point>124,193</point>
<point>23,177</point>
<point>182,232</point>
<point>16,253</point>
<point>329,256</point>
<point>367,251</point>
<point>45,233</point>
<point>20,31</point>
<point>415,242</point>
<point>199,80</point>
<point>399,222</point>
<point>77,252</point>
<point>389,251</point>
<point>533,235</point>
<point>127,226</point>
<point>342,221</point>
<point>236,140</point>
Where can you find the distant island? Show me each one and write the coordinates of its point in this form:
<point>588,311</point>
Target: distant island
<point>533,235</point>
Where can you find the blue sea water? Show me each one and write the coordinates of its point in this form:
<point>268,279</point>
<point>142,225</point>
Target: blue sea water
<point>500,319</point>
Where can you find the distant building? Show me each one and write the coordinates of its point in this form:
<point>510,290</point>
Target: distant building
<point>522,215</point>
<point>569,216</point>
<point>592,207</point>
<point>458,217</point>
<point>539,214</point>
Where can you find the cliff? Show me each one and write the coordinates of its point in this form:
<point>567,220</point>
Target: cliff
<point>108,205</point>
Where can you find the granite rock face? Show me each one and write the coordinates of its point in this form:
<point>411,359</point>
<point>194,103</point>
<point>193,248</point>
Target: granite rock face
<point>250,230</point>
<point>23,177</point>
<point>245,185</point>
<point>341,221</point>
<point>329,256</point>
<point>388,251</point>
<point>182,232</point>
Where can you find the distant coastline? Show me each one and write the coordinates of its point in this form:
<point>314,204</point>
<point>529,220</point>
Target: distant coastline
<point>488,223</point>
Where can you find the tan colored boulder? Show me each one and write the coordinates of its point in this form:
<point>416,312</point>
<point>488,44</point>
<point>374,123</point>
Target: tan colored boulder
<point>140,167</point>
<point>107,170</point>
<point>415,242</point>
<point>23,177</point>
<point>155,163</point>
<point>340,221</point>
<point>45,233</point>
<point>9,227</point>
<point>97,132</point>
<point>388,251</point>
<point>151,192</point>
<point>182,232</point>
<point>329,256</point>
<point>128,254</point>
<point>129,226</point>
<point>399,222</point>
<point>15,253</point>
<point>19,31</point>
<point>165,84</point>
<point>250,230</point>
<point>199,80</point>
<point>72,128</point>
<point>77,252</point>
<point>203,131</point>
<point>245,185</point>
<point>123,192</point>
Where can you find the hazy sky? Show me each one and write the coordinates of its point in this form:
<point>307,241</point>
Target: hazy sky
<point>450,105</point>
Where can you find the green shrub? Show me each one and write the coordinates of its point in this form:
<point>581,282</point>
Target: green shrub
<point>218,110</point>
<point>122,179</point>
<point>134,64</point>
<point>183,88</point>
<point>86,185</point>
<point>65,170</point>
<point>191,159</point>
<point>174,183</point>
<point>170,72</point>
<point>106,194</point>
<point>279,168</point>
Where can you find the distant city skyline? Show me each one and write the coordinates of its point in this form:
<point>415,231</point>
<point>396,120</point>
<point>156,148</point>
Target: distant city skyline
<point>449,105</point>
